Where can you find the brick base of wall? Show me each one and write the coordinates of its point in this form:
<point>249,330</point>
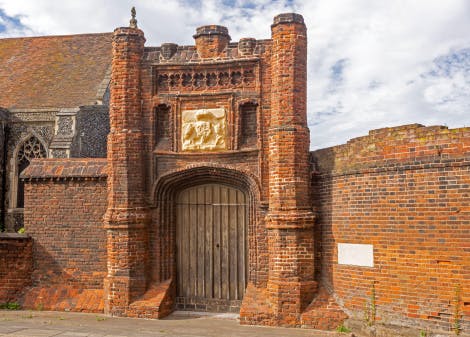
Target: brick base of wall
<point>60,298</point>
<point>256,309</point>
<point>157,302</point>
<point>16,263</point>
<point>323,313</point>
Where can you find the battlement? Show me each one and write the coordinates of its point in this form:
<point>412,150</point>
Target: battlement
<point>390,145</point>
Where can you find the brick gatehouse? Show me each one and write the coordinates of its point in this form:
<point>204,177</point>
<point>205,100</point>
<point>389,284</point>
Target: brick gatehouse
<point>210,199</point>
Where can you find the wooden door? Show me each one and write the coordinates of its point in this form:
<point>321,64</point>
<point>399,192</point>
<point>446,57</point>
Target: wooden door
<point>211,240</point>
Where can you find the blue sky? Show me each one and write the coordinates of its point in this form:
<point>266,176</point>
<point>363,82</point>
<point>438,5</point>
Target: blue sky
<point>8,23</point>
<point>372,63</point>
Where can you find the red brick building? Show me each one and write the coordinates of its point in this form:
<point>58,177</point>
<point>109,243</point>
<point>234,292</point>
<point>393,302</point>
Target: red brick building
<point>209,199</point>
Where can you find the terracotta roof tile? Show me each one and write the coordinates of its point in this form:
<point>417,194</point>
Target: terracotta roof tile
<point>66,168</point>
<point>53,71</point>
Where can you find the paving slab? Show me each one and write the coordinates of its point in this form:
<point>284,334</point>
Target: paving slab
<point>35,333</point>
<point>66,324</point>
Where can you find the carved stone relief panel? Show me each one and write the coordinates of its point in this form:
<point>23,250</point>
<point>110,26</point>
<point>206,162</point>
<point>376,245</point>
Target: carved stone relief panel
<point>203,130</point>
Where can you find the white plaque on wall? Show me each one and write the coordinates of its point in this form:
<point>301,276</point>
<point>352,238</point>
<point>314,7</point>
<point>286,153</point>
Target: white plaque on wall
<point>356,254</point>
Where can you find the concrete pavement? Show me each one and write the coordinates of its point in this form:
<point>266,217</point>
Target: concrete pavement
<point>181,324</point>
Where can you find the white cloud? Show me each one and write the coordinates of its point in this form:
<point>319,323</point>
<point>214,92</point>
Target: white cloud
<point>371,63</point>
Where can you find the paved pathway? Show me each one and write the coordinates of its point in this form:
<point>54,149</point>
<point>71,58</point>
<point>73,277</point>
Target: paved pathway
<point>64,324</point>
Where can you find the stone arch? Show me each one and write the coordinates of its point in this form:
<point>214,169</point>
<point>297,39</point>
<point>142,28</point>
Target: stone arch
<point>203,173</point>
<point>29,147</point>
<point>163,230</point>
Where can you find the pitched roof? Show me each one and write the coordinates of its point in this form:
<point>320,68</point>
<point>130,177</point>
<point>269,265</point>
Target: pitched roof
<point>53,71</point>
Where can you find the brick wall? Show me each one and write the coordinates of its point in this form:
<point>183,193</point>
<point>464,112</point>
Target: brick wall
<point>15,265</point>
<point>406,191</point>
<point>65,200</point>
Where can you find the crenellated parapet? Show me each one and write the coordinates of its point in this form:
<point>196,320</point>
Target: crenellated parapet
<point>392,146</point>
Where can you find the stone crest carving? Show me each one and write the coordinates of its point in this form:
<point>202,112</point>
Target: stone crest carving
<point>203,130</point>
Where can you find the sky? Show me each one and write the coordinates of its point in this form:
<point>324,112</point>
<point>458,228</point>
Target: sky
<point>371,63</point>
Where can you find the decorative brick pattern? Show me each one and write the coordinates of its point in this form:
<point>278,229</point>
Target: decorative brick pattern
<point>223,78</point>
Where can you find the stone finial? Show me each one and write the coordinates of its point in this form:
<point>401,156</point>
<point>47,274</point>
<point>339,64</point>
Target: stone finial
<point>133,21</point>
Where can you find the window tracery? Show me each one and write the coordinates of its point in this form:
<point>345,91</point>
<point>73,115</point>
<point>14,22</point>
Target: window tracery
<point>30,148</point>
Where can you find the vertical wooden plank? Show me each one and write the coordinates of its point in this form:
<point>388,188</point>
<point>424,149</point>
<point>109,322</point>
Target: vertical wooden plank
<point>192,238</point>
<point>225,276</point>
<point>209,244</point>
<point>211,233</point>
<point>233,244</point>
<point>217,216</point>
<point>200,232</point>
<point>241,254</point>
<point>179,227</point>
<point>184,242</point>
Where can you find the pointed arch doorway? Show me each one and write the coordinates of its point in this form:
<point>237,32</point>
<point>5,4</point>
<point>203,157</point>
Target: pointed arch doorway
<point>211,247</point>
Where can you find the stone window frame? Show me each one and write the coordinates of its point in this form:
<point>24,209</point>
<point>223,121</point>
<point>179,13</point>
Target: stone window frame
<point>14,177</point>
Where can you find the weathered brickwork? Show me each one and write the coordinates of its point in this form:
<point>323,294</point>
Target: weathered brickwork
<point>291,285</point>
<point>16,264</point>
<point>232,115</point>
<point>127,215</point>
<point>406,191</point>
<point>65,203</point>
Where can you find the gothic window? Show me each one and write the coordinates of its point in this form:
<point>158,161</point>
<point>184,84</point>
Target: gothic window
<point>31,148</point>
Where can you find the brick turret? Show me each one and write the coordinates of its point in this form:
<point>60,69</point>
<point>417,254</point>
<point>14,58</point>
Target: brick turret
<point>126,217</point>
<point>211,40</point>
<point>291,284</point>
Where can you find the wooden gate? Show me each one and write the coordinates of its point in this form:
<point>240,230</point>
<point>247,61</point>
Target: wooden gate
<point>211,239</point>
